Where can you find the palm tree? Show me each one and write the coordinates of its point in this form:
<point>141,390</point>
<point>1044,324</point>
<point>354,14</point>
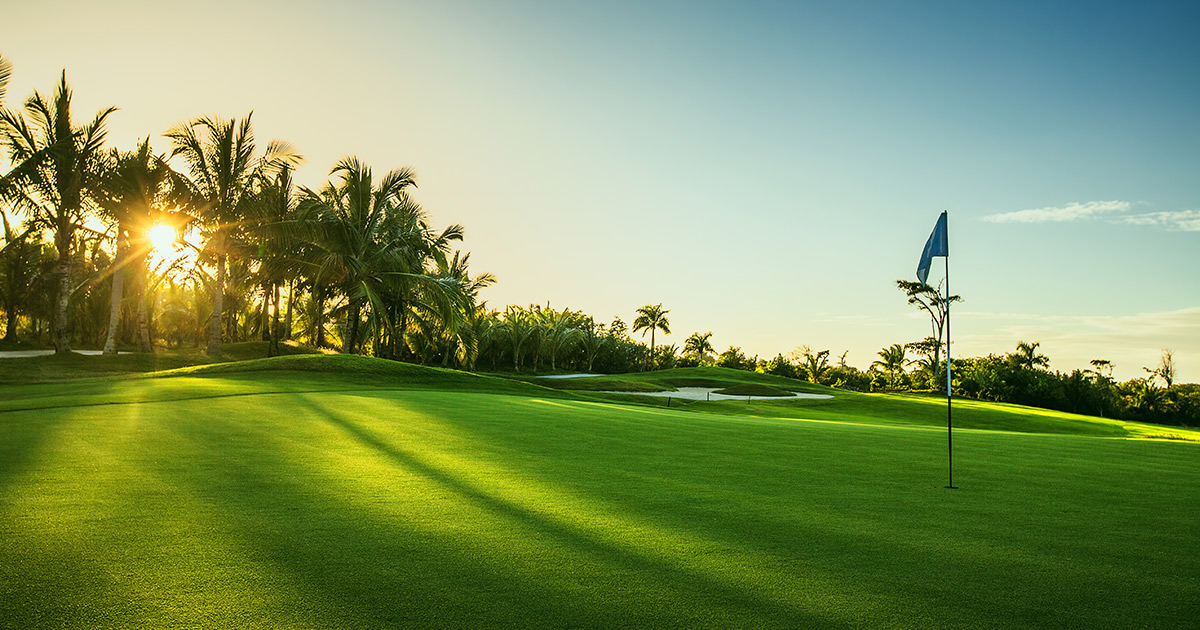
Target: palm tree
<point>459,336</point>
<point>137,190</point>
<point>220,156</point>
<point>813,364</point>
<point>58,185</point>
<point>699,345</point>
<point>652,317</point>
<point>1027,356</point>
<point>560,328</point>
<point>274,243</point>
<point>892,361</point>
<point>371,241</point>
<point>20,262</point>
<point>519,326</point>
<point>593,339</point>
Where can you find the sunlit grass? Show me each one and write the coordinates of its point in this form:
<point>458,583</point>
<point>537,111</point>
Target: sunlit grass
<point>314,507</point>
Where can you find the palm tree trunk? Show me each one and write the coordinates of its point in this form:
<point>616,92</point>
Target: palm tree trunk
<point>319,297</point>
<point>62,339</point>
<point>143,306</point>
<point>273,347</point>
<point>351,328</point>
<point>398,334</point>
<point>214,323</point>
<point>287,318</point>
<point>652,348</point>
<point>264,317</point>
<point>118,289</point>
<point>10,327</point>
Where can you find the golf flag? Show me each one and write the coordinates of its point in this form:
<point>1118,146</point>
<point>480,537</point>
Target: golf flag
<point>937,245</point>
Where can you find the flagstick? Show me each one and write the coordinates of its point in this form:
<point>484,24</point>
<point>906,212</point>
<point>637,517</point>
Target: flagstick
<point>949,396</point>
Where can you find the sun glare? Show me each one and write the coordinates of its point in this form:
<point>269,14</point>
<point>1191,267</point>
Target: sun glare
<point>162,237</point>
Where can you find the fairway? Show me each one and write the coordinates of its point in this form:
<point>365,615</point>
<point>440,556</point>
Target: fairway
<point>305,502</point>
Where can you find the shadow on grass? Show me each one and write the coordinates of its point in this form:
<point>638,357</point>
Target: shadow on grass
<point>676,580</point>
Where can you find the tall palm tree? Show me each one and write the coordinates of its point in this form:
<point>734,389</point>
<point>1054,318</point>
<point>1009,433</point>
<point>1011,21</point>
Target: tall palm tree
<point>368,239</point>
<point>273,241</point>
<point>137,190</point>
<point>560,329</point>
<point>221,158</point>
<point>1028,357</point>
<point>518,326</point>
<point>593,339</point>
<point>460,334</point>
<point>699,345</point>
<point>892,361</point>
<point>56,193</point>
<point>20,262</point>
<point>652,317</point>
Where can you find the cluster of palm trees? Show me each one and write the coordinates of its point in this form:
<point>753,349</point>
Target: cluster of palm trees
<point>539,338</point>
<point>357,259</point>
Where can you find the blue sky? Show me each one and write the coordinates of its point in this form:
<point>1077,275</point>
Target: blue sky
<point>766,170</point>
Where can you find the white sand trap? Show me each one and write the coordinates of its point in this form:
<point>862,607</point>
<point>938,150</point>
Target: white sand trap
<point>571,375</point>
<point>20,354</point>
<point>706,393</point>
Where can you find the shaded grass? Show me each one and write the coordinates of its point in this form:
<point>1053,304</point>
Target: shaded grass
<point>441,509</point>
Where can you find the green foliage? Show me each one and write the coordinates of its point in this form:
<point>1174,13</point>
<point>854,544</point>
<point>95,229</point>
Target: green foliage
<point>814,365</point>
<point>733,359</point>
<point>698,346</point>
<point>779,366</point>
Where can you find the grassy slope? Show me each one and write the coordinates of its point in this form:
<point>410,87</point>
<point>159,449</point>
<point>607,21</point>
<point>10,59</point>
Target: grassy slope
<point>334,502</point>
<point>56,369</point>
<point>871,408</point>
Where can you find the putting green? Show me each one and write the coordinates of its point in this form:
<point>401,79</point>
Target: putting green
<point>301,502</point>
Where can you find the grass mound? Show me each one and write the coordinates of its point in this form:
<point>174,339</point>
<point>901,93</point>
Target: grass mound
<point>360,370</point>
<point>71,367</point>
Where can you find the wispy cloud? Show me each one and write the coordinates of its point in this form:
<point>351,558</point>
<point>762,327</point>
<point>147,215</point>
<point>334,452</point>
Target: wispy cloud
<point>1180,221</point>
<point>1060,214</point>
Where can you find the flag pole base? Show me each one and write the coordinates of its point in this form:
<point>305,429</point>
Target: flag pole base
<point>952,487</point>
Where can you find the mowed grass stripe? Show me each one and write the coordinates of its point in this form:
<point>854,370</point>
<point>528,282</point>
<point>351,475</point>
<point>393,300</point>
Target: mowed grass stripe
<point>431,508</point>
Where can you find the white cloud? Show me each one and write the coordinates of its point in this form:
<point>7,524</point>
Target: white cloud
<point>1180,221</point>
<point>1069,212</point>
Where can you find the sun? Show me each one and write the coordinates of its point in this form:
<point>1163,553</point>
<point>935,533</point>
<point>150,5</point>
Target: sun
<point>162,237</point>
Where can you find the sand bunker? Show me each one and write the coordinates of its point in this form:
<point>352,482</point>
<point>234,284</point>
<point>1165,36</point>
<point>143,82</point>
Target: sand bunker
<point>706,393</point>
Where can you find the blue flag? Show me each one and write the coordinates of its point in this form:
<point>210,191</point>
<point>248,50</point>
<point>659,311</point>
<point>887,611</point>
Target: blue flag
<point>937,245</point>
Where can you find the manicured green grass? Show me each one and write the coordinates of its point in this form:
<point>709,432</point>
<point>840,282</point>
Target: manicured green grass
<point>274,498</point>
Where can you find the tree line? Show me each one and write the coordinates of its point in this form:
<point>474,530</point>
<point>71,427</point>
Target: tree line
<point>354,264</point>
